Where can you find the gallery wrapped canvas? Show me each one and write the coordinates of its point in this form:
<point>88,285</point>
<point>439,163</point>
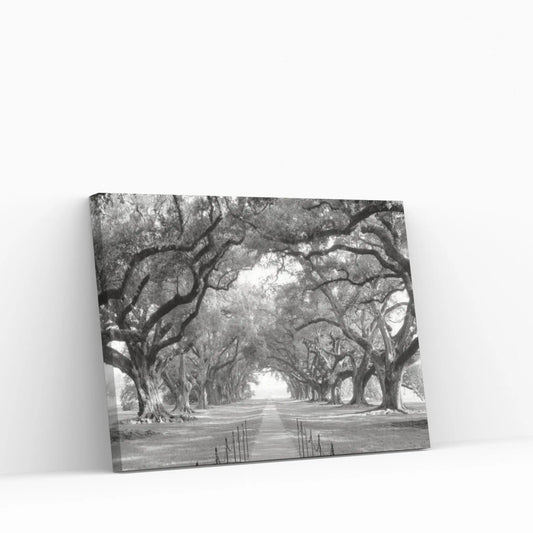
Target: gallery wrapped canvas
<point>253,329</point>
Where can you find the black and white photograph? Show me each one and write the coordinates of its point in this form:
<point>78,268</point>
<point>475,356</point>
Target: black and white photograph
<point>242,329</point>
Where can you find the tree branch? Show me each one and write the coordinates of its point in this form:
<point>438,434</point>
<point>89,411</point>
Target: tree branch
<point>388,245</point>
<point>407,354</point>
<point>140,256</point>
<point>115,358</point>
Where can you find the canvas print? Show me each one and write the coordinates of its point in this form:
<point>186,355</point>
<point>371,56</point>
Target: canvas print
<point>242,329</point>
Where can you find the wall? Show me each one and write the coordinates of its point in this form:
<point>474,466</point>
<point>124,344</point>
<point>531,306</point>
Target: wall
<point>415,101</point>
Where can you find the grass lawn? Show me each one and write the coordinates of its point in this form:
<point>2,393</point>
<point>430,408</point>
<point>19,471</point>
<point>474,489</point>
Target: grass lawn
<point>356,430</point>
<point>147,446</point>
<point>352,430</point>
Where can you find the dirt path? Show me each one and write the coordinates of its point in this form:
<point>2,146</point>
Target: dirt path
<point>273,442</point>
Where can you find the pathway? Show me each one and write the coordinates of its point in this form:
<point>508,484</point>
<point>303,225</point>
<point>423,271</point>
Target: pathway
<point>272,441</point>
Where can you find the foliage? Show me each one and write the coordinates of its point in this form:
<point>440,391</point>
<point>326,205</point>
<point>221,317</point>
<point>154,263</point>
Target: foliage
<point>317,290</point>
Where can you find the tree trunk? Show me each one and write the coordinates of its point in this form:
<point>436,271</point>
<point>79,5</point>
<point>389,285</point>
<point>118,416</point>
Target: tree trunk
<point>293,391</point>
<point>173,388</point>
<point>184,402</point>
<point>359,382</point>
<point>151,408</point>
<point>335,395</point>
<point>358,394</point>
<point>202,396</point>
<point>213,394</point>
<point>332,395</point>
<point>298,391</point>
<point>391,388</point>
<point>185,386</point>
<point>306,392</point>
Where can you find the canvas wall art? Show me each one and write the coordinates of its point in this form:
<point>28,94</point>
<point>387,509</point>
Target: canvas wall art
<point>242,329</point>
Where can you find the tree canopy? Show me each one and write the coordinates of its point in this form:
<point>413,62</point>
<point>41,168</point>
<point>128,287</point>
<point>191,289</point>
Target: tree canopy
<point>198,294</point>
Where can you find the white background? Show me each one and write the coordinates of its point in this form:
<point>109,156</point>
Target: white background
<point>429,102</point>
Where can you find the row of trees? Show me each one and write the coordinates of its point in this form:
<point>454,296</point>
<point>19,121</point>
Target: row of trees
<point>334,299</point>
